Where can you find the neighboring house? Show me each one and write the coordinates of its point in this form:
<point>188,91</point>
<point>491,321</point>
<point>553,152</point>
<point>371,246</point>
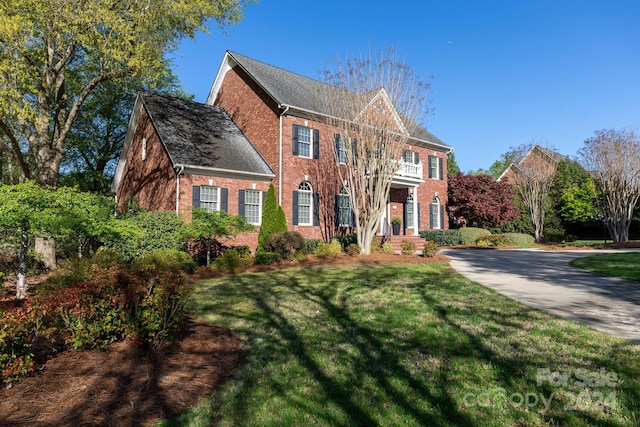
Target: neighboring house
<point>537,158</point>
<point>260,124</point>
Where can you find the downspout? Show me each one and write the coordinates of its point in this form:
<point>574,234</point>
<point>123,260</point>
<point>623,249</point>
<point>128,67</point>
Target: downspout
<point>178,173</point>
<point>280,158</point>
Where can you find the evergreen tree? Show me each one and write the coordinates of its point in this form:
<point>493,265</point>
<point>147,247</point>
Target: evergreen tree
<point>273,218</point>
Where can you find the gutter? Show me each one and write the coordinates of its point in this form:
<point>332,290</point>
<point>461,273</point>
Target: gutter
<point>179,172</point>
<point>280,155</point>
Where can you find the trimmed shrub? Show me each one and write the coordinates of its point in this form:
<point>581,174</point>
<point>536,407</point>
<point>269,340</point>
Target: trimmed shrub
<point>407,247</point>
<point>328,250</point>
<point>286,243</point>
<point>232,260</point>
<point>442,237</point>
<point>430,249</point>
<point>491,240</point>
<point>266,258</point>
<point>469,235</point>
<point>386,247</point>
<point>346,240</point>
<point>518,239</point>
<point>353,250</point>
<point>311,245</point>
<point>554,236</point>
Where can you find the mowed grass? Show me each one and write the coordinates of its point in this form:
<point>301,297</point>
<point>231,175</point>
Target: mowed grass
<point>624,265</point>
<point>407,345</point>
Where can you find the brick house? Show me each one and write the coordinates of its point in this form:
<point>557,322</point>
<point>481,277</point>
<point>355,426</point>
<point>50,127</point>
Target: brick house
<point>259,125</point>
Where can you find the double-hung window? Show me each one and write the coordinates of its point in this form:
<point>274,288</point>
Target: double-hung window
<point>306,141</point>
<point>436,168</point>
<point>410,157</point>
<point>252,206</point>
<point>408,213</point>
<point>209,198</point>
<point>341,153</point>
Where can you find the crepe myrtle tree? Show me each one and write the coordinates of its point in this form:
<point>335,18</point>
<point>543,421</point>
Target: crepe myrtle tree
<point>613,159</point>
<point>54,54</point>
<point>375,102</point>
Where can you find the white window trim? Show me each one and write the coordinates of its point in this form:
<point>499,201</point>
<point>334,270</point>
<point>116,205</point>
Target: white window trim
<point>310,156</point>
<point>218,200</point>
<point>436,175</point>
<point>410,205</point>
<point>259,207</point>
<point>310,192</point>
<point>435,202</point>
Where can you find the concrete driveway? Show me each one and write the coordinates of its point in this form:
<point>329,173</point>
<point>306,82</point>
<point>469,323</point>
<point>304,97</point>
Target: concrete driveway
<point>545,280</point>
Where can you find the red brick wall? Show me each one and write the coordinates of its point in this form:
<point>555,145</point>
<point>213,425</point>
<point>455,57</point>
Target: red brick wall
<point>233,185</point>
<point>258,117</point>
<point>151,180</point>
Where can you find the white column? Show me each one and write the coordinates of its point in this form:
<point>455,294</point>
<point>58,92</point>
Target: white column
<point>415,211</point>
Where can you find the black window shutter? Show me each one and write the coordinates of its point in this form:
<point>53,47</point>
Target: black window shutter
<point>418,213</point>
<point>338,146</point>
<point>316,209</point>
<point>429,167</point>
<point>337,209</point>
<point>224,199</point>
<point>240,202</point>
<point>295,140</point>
<point>316,143</point>
<point>195,196</point>
<point>442,217</point>
<point>440,170</point>
<point>405,155</point>
<point>416,157</point>
<point>294,214</point>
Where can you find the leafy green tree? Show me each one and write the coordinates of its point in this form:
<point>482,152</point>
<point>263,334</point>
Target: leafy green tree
<point>33,211</point>
<point>54,54</point>
<point>214,225</point>
<point>452,165</point>
<point>273,218</point>
<point>97,135</point>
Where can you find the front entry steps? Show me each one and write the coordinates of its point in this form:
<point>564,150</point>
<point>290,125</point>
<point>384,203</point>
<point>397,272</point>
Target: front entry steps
<point>396,242</point>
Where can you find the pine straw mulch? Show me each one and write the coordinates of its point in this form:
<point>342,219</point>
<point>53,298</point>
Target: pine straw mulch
<point>125,385</point>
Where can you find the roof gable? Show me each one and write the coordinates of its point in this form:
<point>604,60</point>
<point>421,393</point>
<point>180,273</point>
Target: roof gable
<point>302,93</point>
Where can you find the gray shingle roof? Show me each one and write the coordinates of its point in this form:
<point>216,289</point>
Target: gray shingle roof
<point>295,90</point>
<point>201,135</point>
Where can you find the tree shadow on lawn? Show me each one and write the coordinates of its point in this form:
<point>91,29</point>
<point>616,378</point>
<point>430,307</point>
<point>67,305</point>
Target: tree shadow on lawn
<point>311,346</point>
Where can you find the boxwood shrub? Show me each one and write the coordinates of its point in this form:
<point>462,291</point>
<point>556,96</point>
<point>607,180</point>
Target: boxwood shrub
<point>442,237</point>
<point>469,235</point>
<point>518,239</point>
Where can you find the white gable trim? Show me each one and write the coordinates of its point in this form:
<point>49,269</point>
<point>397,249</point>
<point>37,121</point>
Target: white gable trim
<point>382,93</point>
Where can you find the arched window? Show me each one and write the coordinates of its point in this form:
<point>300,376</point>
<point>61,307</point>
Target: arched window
<point>434,213</point>
<point>408,212</point>
<point>305,200</point>
<point>343,208</point>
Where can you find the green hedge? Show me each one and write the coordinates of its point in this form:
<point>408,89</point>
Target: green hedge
<point>442,237</point>
<point>469,235</point>
<point>518,239</point>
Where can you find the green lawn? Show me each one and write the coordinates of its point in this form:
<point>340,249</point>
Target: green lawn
<point>624,265</point>
<point>407,345</point>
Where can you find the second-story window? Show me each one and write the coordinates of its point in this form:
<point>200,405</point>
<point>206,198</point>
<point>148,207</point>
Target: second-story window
<point>410,156</point>
<point>341,153</point>
<point>435,168</point>
<point>306,141</point>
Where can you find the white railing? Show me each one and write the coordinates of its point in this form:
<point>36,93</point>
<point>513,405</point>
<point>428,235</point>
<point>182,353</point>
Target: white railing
<point>411,170</point>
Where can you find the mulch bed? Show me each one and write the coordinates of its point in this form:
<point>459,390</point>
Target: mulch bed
<point>126,385</point>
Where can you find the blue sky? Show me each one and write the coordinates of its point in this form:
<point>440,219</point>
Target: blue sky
<point>504,73</point>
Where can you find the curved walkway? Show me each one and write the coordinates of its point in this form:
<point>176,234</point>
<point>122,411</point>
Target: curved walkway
<point>545,280</point>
